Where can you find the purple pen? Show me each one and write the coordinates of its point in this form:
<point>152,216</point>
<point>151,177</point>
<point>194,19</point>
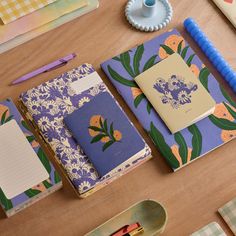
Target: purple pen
<point>48,67</point>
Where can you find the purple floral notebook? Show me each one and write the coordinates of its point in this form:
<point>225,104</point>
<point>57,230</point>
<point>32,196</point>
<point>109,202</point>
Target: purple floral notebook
<point>8,111</point>
<point>193,142</point>
<point>49,103</point>
<point>105,133</point>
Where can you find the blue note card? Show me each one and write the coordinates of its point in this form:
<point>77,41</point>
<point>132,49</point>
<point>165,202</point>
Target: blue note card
<point>104,133</point>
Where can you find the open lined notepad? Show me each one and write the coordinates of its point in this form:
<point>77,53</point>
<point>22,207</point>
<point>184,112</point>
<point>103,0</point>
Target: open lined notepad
<point>20,167</point>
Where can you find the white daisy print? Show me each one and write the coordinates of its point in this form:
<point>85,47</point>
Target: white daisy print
<point>83,100</point>
<point>184,97</point>
<point>84,186</point>
<point>44,123</point>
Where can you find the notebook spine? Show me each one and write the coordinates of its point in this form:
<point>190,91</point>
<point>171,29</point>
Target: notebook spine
<point>211,52</point>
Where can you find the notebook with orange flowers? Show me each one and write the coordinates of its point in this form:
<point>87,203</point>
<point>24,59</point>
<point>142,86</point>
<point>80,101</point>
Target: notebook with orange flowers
<point>196,140</point>
<point>105,134</point>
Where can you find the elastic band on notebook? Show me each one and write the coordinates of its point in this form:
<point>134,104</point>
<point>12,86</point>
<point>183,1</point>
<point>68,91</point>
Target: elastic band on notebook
<point>211,52</point>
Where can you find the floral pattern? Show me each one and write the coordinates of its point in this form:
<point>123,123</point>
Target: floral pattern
<point>190,143</point>
<point>48,104</point>
<point>9,111</point>
<point>175,92</point>
<point>99,130</point>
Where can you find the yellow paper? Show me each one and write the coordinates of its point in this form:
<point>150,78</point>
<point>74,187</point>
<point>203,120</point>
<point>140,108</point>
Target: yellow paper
<point>11,10</point>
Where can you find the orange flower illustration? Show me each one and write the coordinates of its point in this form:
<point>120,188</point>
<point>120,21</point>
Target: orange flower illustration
<point>101,131</point>
<point>95,121</point>
<point>4,109</point>
<point>40,187</point>
<point>117,135</point>
<point>172,42</point>
<point>227,135</point>
<point>222,112</point>
<point>195,69</point>
<point>136,92</point>
<point>175,151</point>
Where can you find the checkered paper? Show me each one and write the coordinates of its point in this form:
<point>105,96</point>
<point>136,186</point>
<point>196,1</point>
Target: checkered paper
<point>228,212</point>
<point>212,229</point>
<point>11,10</point>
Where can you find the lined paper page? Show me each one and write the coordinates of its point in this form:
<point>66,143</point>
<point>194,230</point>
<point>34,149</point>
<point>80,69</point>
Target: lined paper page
<point>20,167</point>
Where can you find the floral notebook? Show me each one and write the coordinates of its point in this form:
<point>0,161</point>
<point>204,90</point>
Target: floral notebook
<point>193,142</point>
<point>105,134</point>
<point>49,103</point>
<point>9,112</point>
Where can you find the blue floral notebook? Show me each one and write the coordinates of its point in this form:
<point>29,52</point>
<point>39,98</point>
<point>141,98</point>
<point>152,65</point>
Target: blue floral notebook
<point>105,134</point>
<point>190,143</point>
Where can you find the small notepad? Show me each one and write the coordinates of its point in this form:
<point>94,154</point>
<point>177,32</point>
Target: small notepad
<point>20,167</point>
<point>176,93</point>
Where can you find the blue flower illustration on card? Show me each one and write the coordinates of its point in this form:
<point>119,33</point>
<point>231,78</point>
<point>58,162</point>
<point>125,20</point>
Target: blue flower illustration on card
<point>175,91</point>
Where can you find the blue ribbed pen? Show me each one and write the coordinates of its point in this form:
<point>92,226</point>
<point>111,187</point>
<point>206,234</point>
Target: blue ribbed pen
<point>211,52</point>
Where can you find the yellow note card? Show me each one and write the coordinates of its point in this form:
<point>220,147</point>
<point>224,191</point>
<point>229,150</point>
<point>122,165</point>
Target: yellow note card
<point>11,10</point>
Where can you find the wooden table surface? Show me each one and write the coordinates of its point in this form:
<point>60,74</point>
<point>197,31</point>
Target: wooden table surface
<point>192,195</point>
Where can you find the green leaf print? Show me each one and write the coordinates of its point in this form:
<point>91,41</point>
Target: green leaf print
<point>150,62</point>
<point>230,110</point>
<point>120,79</point>
<point>222,123</point>
<point>180,47</point>
<point>227,97</point>
<point>6,203</point>
<point>183,149</point>
<point>47,184</point>
<point>203,76</point>
<point>107,145</point>
<point>149,107</point>
<point>125,61</point>
<point>138,99</point>
<point>196,141</point>
<point>32,192</point>
<point>97,138</point>
<point>30,138</point>
<point>184,52</point>
<point>164,148</point>
<point>189,61</point>
<point>4,117</point>
<point>137,58</point>
<point>57,177</point>
<point>167,49</point>
<point>44,160</point>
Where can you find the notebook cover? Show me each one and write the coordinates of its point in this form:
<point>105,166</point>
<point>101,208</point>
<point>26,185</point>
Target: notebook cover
<point>183,147</point>
<point>48,104</point>
<point>228,7</point>
<point>104,132</point>
<point>172,88</point>
<point>11,10</point>
<point>9,111</point>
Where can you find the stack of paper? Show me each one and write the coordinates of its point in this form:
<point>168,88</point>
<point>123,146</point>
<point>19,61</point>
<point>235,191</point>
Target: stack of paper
<point>20,27</point>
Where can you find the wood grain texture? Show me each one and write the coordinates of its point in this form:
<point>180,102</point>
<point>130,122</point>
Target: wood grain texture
<point>191,195</point>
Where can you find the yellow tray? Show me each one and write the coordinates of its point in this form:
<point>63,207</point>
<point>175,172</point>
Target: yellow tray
<point>150,214</point>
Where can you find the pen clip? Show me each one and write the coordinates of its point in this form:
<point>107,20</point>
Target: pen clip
<point>63,62</point>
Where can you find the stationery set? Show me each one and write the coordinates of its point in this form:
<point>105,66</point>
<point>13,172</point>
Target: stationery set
<point>171,92</point>
<point>85,128</point>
